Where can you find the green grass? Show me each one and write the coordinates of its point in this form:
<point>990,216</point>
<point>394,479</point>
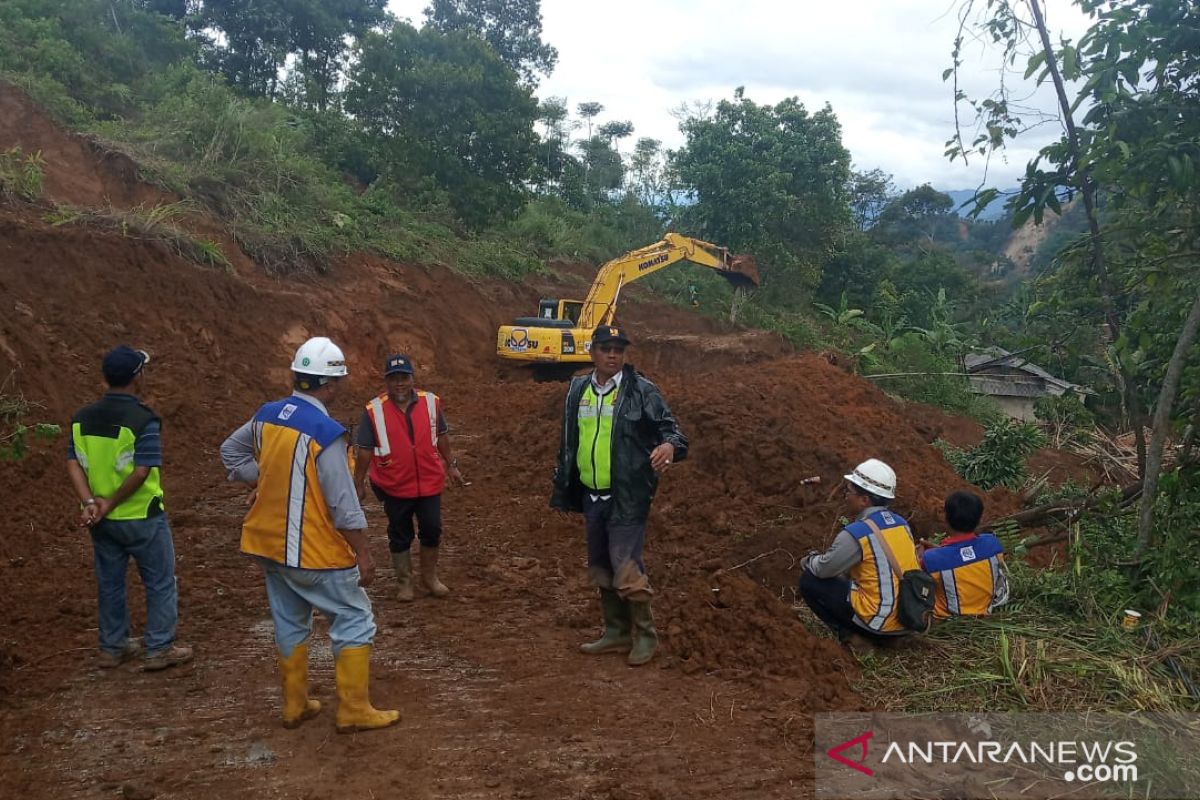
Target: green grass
<point>1028,658</point>
<point>157,224</point>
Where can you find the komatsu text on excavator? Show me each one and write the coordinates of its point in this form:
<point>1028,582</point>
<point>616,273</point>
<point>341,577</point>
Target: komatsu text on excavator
<point>561,332</point>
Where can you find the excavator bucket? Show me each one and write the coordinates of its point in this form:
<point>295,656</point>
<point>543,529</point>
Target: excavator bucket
<point>742,271</point>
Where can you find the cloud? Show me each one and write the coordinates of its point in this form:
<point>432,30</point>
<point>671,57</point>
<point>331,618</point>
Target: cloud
<point>878,63</point>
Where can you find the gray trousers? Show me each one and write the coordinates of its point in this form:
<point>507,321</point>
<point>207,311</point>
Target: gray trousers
<point>615,551</point>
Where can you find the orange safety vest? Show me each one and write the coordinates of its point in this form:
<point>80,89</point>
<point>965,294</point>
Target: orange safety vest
<point>875,588</point>
<point>406,462</point>
<point>290,522</point>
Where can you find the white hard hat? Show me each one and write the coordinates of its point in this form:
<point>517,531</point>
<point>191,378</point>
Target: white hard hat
<point>321,357</point>
<point>875,477</point>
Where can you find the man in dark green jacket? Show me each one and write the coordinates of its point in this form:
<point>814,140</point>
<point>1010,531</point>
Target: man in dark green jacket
<point>618,435</point>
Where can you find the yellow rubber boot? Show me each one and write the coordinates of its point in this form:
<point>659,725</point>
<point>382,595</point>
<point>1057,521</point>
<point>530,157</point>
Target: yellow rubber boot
<point>355,712</point>
<point>297,706</point>
<point>429,561</point>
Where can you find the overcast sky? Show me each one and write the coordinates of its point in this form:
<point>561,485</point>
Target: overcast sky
<point>878,63</point>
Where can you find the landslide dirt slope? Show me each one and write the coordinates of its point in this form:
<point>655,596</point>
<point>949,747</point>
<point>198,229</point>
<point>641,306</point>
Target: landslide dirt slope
<point>496,700</point>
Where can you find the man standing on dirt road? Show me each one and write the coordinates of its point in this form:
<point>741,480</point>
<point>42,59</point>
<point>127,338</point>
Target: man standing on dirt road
<point>618,436</point>
<point>853,587</point>
<point>113,459</point>
<point>307,531</point>
<point>402,444</point>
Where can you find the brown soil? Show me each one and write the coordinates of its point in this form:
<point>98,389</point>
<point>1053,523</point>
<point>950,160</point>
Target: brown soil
<point>497,702</point>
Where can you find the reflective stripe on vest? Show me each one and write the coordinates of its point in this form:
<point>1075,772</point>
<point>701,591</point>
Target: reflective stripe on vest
<point>950,587</point>
<point>383,446</point>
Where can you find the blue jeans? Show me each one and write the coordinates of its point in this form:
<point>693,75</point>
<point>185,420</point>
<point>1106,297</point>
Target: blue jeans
<point>615,551</point>
<point>293,593</point>
<point>149,542</point>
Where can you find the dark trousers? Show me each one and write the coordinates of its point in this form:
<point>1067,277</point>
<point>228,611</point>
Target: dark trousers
<point>615,551</point>
<point>829,599</point>
<point>400,513</point>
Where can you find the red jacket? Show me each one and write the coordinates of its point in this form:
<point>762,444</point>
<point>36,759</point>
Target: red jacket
<point>406,462</point>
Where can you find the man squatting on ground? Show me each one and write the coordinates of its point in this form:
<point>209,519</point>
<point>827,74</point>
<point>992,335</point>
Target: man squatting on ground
<point>307,531</point>
<point>617,436</point>
<point>853,587</point>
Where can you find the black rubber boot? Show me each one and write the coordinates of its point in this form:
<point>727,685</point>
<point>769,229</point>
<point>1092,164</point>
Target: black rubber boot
<point>616,637</point>
<point>645,638</point>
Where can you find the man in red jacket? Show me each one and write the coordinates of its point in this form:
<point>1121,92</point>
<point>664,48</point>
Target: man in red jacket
<point>403,447</point>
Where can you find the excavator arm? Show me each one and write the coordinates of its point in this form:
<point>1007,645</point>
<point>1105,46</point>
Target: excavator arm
<point>601,302</point>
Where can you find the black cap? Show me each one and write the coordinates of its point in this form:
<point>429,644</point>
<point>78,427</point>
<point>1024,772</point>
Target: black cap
<point>398,363</point>
<point>122,364</point>
<point>609,333</point>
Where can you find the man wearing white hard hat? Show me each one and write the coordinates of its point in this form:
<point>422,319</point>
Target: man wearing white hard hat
<point>854,587</point>
<point>307,531</point>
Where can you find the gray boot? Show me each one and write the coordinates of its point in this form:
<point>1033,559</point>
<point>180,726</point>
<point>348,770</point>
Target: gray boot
<point>645,638</point>
<point>402,564</point>
<point>616,637</point>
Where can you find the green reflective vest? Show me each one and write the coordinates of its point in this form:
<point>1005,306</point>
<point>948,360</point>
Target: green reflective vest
<point>594,455</point>
<point>104,435</point>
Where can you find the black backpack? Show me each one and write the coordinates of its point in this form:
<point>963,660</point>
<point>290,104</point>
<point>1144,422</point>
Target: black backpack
<point>914,606</point>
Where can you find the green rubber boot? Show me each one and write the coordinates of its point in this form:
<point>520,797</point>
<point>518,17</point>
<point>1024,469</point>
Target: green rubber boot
<point>645,638</point>
<point>616,637</point>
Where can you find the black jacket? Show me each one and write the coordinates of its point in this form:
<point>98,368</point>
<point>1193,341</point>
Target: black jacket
<point>641,422</point>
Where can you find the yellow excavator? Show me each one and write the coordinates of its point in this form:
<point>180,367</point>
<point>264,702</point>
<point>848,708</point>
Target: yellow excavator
<point>561,333</point>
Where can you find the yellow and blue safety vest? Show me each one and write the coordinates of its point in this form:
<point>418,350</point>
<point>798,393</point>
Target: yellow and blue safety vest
<point>875,586</point>
<point>290,522</point>
<point>968,575</point>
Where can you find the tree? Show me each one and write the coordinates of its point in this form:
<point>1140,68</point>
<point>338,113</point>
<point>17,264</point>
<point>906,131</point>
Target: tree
<point>646,174</point>
<point>615,130</point>
<point>254,41</point>
<point>512,28</point>
<point>589,111</point>
<point>923,212</point>
<point>868,193</point>
<point>604,171</point>
<point>1136,145</point>
<point>87,58</point>
<point>770,180</point>
<point>444,107</point>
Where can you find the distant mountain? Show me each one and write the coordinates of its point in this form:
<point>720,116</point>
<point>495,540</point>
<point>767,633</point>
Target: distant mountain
<point>993,211</point>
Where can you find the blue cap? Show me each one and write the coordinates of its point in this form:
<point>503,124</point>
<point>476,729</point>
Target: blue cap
<point>122,365</point>
<point>398,363</point>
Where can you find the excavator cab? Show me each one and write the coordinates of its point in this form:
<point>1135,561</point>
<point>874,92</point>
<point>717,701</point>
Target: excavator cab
<point>561,310</point>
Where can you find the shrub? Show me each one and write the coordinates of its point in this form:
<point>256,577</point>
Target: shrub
<point>999,460</point>
<point>21,175</point>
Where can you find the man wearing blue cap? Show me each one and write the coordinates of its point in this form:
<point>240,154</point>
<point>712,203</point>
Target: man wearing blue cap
<point>618,436</point>
<point>113,460</point>
<point>403,447</point>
